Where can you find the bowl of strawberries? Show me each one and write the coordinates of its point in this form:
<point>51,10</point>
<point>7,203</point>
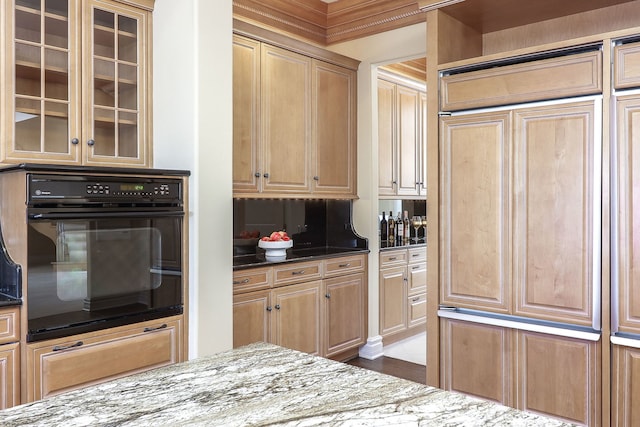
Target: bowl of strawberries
<point>275,245</point>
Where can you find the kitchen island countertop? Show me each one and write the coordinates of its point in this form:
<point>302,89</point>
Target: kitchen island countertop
<point>263,384</point>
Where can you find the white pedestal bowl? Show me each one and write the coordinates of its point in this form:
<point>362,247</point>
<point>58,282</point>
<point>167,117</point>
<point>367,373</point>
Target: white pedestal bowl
<point>275,251</point>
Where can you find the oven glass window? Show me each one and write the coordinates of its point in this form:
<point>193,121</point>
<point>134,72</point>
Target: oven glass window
<point>82,273</point>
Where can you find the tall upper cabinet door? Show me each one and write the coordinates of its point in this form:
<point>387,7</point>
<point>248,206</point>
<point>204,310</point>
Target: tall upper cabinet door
<point>40,90</point>
<point>475,202</point>
<point>627,285</point>
<point>246,107</point>
<point>409,137</point>
<point>286,120</point>
<point>387,157</point>
<point>557,180</point>
<point>334,130</point>
<point>116,92</point>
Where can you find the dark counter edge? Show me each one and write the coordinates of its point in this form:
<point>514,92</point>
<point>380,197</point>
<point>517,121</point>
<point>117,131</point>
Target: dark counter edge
<point>421,244</point>
<point>256,261</point>
<point>35,167</point>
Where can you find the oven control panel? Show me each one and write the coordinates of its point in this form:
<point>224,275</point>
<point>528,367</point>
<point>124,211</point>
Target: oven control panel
<point>61,188</point>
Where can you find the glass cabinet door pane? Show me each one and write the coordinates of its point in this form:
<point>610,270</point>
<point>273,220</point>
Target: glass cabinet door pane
<point>116,87</point>
<point>42,77</point>
<point>104,131</point>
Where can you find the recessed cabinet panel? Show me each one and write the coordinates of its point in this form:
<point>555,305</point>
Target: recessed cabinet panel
<point>476,360</point>
<point>298,317</point>
<point>625,411</point>
<point>387,153</point>
<point>628,241</point>
<point>334,137</point>
<point>559,377</point>
<point>393,300</point>
<point>251,318</point>
<point>476,265</point>
<point>627,66</point>
<point>246,104</point>
<point>409,145</point>
<point>555,184</point>
<point>9,375</point>
<point>286,120</point>
<point>344,313</point>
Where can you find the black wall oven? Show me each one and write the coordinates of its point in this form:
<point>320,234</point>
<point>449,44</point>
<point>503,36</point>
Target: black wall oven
<point>102,251</point>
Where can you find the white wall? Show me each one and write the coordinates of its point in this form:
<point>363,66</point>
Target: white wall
<point>384,48</point>
<point>192,92</point>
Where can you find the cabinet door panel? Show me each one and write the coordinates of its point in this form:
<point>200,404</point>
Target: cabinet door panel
<point>116,87</point>
<point>9,375</point>
<point>334,94</point>
<point>555,185</point>
<point>476,360</point>
<point>286,120</point>
<point>387,157</point>
<point>251,318</point>
<point>246,103</point>
<point>559,377</point>
<point>344,313</point>
<point>408,141</point>
<point>476,211</point>
<point>69,363</point>
<point>628,241</point>
<point>393,300</point>
<point>298,317</point>
<point>625,410</point>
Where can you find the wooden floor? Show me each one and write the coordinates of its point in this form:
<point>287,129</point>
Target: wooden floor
<point>395,367</point>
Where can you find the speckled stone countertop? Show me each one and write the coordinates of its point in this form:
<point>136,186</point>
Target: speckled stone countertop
<point>260,385</point>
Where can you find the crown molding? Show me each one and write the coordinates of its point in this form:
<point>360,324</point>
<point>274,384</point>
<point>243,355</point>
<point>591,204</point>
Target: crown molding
<point>329,23</point>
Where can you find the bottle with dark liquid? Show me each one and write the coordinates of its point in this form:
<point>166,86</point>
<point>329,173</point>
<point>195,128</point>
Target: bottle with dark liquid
<point>383,229</point>
<point>399,228</point>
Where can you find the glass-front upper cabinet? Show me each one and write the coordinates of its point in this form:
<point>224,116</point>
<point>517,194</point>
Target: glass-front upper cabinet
<point>77,78</point>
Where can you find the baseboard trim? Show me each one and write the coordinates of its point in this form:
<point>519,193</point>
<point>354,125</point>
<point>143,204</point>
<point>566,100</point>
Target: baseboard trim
<point>373,349</point>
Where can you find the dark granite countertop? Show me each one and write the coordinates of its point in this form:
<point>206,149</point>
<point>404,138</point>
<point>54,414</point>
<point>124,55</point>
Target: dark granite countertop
<point>242,262</point>
<point>384,246</point>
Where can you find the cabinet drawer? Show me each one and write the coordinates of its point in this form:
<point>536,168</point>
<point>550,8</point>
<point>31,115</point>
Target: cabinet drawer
<point>418,254</point>
<point>340,266</point>
<point>417,309</point>
<point>252,280</point>
<point>299,272</point>
<point>417,274</point>
<point>627,66</point>
<point>9,325</point>
<point>69,363</point>
<point>553,78</point>
<point>388,258</point>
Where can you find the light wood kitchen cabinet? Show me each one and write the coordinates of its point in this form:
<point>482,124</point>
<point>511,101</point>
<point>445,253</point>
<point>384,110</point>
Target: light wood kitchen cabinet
<point>627,286</point>
<point>514,166</point>
<point>9,357</point>
<point>553,375</point>
<point>625,386</point>
<point>318,307</point>
<point>64,364</point>
<point>401,140</point>
<point>78,75</point>
<point>297,320</point>
<point>294,121</point>
<point>626,66</point>
<point>402,293</point>
<point>334,140</point>
<point>252,313</point>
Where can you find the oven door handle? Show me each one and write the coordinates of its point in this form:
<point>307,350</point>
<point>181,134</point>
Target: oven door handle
<point>98,215</point>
